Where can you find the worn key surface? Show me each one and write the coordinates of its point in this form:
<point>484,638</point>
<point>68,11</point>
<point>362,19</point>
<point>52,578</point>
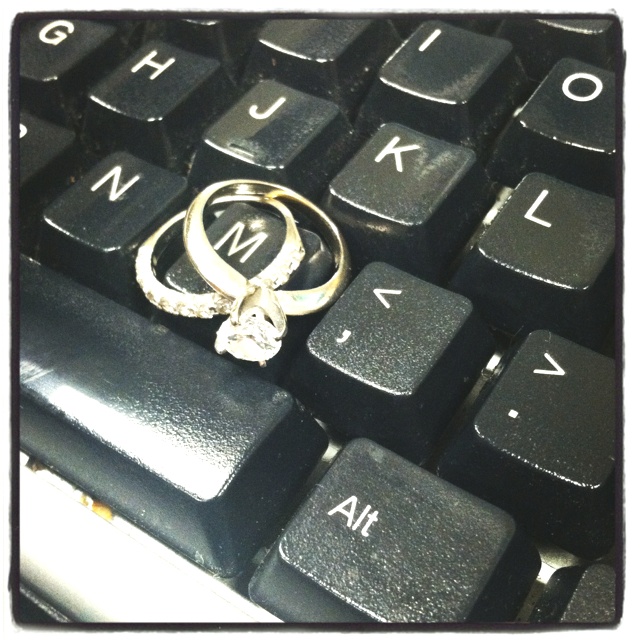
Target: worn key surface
<point>156,103</point>
<point>545,262</point>
<point>409,200</point>
<point>58,59</point>
<point>47,160</point>
<point>186,445</point>
<point>449,83</point>
<point>566,129</point>
<point>333,59</point>
<point>278,134</point>
<point>542,444</point>
<point>391,360</point>
<point>541,42</point>
<point>93,229</point>
<point>229,41</point>
<point>381,540</point>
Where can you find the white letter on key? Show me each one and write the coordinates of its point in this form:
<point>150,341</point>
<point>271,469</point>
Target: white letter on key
<point>396,151</point>
<point>254,113</point>
<point>116,190</point>
<point>59,35</point>
<point>148,60</point>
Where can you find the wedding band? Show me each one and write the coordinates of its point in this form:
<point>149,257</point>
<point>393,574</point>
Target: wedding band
<point>207,305</point>
<point>231,284</point>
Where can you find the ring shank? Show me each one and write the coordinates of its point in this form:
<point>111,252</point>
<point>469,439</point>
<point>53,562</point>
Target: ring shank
<point>215,271</point>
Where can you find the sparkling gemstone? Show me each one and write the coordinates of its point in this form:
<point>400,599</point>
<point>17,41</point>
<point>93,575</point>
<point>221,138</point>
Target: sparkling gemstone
<point>254,338</point>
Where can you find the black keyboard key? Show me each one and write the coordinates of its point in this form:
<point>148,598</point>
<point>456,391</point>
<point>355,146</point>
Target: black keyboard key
<point>545,262</point>
<point>93,229</point>
<point>566,129</point>
<point>48,154</point>
<point>184,444</point>
<point>381,540</point>
<point>542,444</point>
<point>541,42</point>
<point>448,83</point>
<point>409,200</point>
<point>277,134</point>
<point>58,58</point>
<point>390,347</point>
<point>228,41</point>
<point>332,59</point>
<point>584,594</point>
<point>156,103</point>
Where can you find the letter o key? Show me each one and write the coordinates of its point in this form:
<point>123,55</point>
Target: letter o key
<point>597,89</point>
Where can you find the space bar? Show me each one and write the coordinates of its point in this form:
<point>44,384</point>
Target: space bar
<point>57,535</point>
<point>189,447</point>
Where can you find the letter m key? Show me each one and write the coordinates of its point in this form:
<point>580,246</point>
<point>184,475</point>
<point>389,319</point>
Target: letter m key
<point>235,233</point>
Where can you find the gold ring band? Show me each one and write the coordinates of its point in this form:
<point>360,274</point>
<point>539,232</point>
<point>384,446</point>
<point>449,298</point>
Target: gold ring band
<point>207,305</point>
<point>215,271</point>
<point>257,312</point>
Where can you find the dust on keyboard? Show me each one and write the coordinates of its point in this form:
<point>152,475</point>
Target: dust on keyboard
<point>438,446</point>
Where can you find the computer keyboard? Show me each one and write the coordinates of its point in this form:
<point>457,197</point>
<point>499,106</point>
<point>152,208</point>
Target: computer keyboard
<point>439,446</point>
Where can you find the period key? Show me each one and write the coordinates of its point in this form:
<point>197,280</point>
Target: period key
<point>382,540</point>
<point>391,360</point>
<point>542,444</point>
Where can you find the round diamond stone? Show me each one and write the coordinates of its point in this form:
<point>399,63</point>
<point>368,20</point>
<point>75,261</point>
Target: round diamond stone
<point>254,338</point>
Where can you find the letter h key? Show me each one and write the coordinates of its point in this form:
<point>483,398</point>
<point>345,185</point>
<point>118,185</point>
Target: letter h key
<point>156,102</point>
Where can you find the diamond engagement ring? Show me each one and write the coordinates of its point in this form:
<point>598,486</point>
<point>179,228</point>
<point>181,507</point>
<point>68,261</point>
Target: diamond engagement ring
<point>257,310</point>
<point>207,305</point>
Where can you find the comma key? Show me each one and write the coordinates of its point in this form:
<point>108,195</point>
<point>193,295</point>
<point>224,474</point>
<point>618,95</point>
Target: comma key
<point>382,540</point>
<point>391,360</point>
